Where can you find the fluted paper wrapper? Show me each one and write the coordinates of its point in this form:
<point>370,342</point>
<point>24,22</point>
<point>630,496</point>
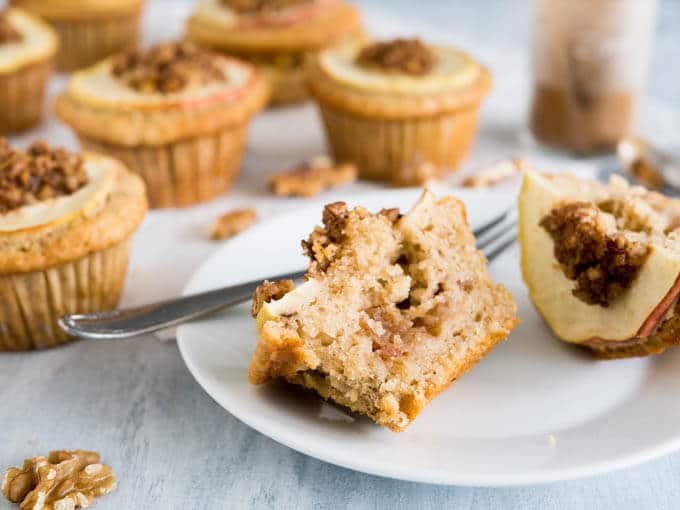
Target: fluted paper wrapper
<point>22,97</point>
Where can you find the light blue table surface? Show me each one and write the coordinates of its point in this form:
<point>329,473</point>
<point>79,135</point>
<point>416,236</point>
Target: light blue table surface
<point>173,447</point>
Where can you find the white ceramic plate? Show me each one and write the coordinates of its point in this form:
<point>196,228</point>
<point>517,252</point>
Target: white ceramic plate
<point>534,410</point>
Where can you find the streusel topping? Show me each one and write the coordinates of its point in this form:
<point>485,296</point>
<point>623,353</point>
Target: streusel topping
<point>259,6</point>
<point>168,68</point>
<point>602,262</point>
<point>408,56</point>
<point>8,34</point>
<point>37,174</point>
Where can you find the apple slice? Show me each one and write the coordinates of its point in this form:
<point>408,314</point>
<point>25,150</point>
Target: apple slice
<point>648,300</point>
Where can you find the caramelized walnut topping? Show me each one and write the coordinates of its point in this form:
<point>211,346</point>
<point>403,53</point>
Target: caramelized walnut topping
<point>322,245</point>
<point>8,34</point>
<point>312,177</point>
<point>259,6</point>
<point>232,223</point>
<point>167,68</point>
<point>61,481</point>
<point>39,173</point>
<point>603,263</point>
<point>408,56</point>
<point>270,291</point>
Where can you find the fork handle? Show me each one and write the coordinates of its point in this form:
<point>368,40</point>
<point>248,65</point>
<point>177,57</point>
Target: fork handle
<point>154,317</point>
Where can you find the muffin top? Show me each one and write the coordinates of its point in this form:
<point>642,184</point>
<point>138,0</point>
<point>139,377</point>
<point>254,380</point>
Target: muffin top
<point>24,40</point>
<point>263,13</point>
<point>77,9</point>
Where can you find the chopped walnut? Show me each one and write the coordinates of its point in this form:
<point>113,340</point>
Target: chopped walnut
<point>259,6</point>
<point>168,68</point>
<point>603,263</point>
<point>322,245</point>
<point>646,173</point>
<point>495,174</point>
<point>232,223</point>
<point>311,178</point>
<point>8,34</point>
<point>63,480</point>
<point>37,174</point>
<point>270,291</point>
<point>408,56</point>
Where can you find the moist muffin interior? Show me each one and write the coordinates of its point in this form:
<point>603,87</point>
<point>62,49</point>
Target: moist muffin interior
<point>407,56</point>
<point>167,68</point>
<point>404,306</point>
<point>36,174</point>
<point>259,6</point>
<point>8,34</point>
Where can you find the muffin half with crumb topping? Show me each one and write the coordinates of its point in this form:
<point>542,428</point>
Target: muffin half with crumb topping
<point>393,310</point>
<point>66,221</point>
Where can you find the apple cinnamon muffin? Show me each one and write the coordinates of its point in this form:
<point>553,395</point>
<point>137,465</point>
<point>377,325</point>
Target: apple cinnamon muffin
<point>89,30</point>
<point>278,36</point>
<point>27,48</point>
<point>66,221</point>
<point>174,113</point>
<point>393,310</point>
<point>402,110</point>
<point>602,263</point>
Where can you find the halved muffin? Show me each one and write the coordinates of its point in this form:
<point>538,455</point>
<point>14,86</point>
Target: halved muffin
<point>66,221</point>
<point>393,310</point>
<point>174,113</point>
<point>279,37</point>
<point>602,263</point>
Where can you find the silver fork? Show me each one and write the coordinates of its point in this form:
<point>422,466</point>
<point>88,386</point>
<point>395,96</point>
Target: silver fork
<point>493,238</point>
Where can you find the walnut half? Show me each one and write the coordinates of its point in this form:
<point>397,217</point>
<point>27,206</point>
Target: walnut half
<point>64,480</point>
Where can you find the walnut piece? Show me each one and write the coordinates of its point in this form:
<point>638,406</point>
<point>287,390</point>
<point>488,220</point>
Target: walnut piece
<point>322,246</point>
<point>64,480</point>
<point>37,174</point>
<point>232,223</point>
<point>312,177</point>
<point>270,291</point>
<point>259,6</point>
<point>603,263</point>
<point>408,56</point>
<point>168,68</point>
<point>495,174</point>
<point>8,34</point>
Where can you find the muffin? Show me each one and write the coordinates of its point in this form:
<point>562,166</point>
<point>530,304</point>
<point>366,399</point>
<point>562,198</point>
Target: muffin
<point>279,36</point>
<point>393,310</point>
<point>602,263</point>
<point>27,48</point>
<point>65,226</point>
<point>175,114</point>
<point>89,30</point>
<point>403,111</point>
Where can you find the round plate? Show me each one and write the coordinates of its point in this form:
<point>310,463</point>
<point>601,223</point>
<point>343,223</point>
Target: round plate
<point>534,410</point>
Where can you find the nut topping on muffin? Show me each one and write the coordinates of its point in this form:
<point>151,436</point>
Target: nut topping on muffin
<point>258,6</point>
<point>37,174</point>
<point>8,34</point>
<point>167,68</point>
<point>409,56</point>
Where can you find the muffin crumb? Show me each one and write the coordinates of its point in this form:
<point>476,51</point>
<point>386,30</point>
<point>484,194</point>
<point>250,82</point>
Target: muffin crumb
<point>270,291</point>
<point>167,68</point>
<point>232,223</point>
<point>408,56</point>
<point>8,34</point>
<point>312,177</point>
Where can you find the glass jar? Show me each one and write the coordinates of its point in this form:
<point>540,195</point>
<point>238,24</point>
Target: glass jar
<point>589,59</point>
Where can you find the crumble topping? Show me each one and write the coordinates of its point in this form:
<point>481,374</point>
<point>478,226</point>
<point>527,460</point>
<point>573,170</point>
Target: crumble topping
<point>64,480</point>
<point>39,173</point>
<point>270,291</point>
<point>312,177</point>
<point>232,223</point>
<point>8,34</point>
<point>260,6</point>
<point>603,262</point>
<point>408,56</point>
<point>168,68</point>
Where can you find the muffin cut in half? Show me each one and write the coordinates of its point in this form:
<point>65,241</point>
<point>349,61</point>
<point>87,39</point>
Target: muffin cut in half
<point>393,310</point>
<point>602,263</point>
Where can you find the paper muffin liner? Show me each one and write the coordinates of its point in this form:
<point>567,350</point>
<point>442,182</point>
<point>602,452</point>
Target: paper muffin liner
<point>84,42</point>
<point>31,303</point>
<point>403,151</point>
<point>287,85</point>
<point>22,97</point>
<point>185,172</point>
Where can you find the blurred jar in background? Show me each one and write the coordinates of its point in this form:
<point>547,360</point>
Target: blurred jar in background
<point>589,59</point>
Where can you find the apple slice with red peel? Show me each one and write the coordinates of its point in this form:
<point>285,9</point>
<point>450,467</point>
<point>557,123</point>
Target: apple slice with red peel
<point>648,300</point>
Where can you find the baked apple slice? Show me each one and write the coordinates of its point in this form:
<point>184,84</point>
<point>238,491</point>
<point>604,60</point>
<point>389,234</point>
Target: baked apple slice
<point>602,262</point>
